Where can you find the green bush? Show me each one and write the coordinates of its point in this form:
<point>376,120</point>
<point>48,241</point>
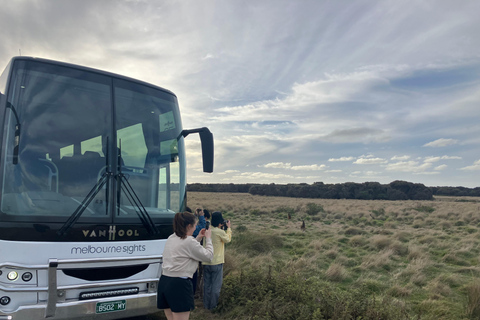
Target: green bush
<point>256,243</point>
<point>427,209</point>
<point>313,209</point>
<point>257,294</point>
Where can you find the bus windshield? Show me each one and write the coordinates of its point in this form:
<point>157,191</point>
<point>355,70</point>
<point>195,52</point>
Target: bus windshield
<point>74,137</point>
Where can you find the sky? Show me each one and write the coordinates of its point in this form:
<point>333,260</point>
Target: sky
<point>293,91</point>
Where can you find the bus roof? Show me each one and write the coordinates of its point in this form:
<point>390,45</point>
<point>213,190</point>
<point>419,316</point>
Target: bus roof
<point>79,67</point>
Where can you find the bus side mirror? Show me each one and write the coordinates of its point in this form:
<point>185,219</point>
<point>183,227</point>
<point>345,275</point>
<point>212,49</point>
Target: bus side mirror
<point>206,138</point>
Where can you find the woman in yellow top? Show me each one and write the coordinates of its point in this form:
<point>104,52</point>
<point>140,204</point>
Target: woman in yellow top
<point>213,271</point>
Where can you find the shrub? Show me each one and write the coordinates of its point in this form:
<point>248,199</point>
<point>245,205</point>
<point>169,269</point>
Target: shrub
<point>354,231</point>
<point>257,294</point>
<point>426,209</point>
<point>256,212</point>
<point>285,209</point>
<point>313,209</point>
<point>251,242</point>
<point>241,228</point>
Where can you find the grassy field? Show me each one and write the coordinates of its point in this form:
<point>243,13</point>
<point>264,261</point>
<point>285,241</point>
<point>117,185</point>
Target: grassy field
<point>356,259</point>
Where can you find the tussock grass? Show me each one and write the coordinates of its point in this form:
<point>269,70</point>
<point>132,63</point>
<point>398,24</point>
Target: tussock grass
<point>377,261</point>
<point>357,241</point>
<point>355,260</point>
<point>473,300</point>
<point>399,291</point>
<point>380,242</point>
<point>336,272</point>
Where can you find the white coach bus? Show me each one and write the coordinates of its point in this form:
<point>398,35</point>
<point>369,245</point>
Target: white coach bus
<point>92,171</point>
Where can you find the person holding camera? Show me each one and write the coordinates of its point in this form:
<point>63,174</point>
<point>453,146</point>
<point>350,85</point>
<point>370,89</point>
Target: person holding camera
<point>213,270</point>
<point>180,260</point>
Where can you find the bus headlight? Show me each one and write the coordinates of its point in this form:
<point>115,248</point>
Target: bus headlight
<point>12,275</point>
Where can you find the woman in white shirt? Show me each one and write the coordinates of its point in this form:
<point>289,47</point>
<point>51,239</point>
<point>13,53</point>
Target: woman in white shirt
<point>180,261</point>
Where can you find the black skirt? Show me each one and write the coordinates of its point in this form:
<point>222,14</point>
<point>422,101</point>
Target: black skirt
<point>176,294</point>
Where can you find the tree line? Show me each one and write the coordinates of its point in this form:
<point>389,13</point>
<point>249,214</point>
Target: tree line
<point>396,190</point>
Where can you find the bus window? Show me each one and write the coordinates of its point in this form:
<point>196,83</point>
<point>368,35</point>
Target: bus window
<point>94,144</point>
<point>66,151</point>
<point>134,149</point>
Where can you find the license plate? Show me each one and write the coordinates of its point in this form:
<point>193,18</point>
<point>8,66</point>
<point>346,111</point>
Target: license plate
<point>110,306</point>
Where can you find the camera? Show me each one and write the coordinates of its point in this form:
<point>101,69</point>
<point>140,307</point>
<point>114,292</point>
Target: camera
<point>224,225</point>
<point>207,225</point>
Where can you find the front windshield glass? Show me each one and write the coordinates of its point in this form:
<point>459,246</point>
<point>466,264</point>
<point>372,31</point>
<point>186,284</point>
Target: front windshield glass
<point>149,150</point>
<point>61,147</point>
<point>52,110</point>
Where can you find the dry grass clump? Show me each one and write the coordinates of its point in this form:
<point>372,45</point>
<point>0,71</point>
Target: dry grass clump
<point>453,258</point>
<point>352,231</point>
<point>473,300</point>
<point>445,225</point>
<point>318,245</point>
<point>399,248</point>
<point>377,261</point>
<point>428,240</point>
<point>332,253</point>
<point>398,291</point>
<point>415,252</point>
<point>403,236</point>
<point>380,242</point>
<point>438,288</point>
<point>336,272</point>
<point>357,241</point>
<point>390,225</point>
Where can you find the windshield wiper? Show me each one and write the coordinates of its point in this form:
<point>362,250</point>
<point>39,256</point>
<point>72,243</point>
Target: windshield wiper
<point>17,133</point>
<point>123,184</point>
<point>86,201</point>
<point>81,208</point>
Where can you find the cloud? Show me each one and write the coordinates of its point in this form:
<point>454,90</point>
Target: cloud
<point>341,159</point>
<point>278,165</point>
<point>408,166</point>
<point>365,135</point>
<point>400,158</point>
<point>474,167</point>
<point>436,159</point>
<point>440,167</point>
<point>441,143</point>
<point>312,167</point>
<point>370,161</point>
<point>261,177</point>
<point>288,166</point>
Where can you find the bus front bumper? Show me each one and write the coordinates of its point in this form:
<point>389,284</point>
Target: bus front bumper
<point>137,305</point>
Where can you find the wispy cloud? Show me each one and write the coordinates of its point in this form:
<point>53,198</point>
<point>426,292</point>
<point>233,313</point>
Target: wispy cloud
<point>370,161</point>
<point>441,143</point>
<point>474,167</point>
<point>341,159</point>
